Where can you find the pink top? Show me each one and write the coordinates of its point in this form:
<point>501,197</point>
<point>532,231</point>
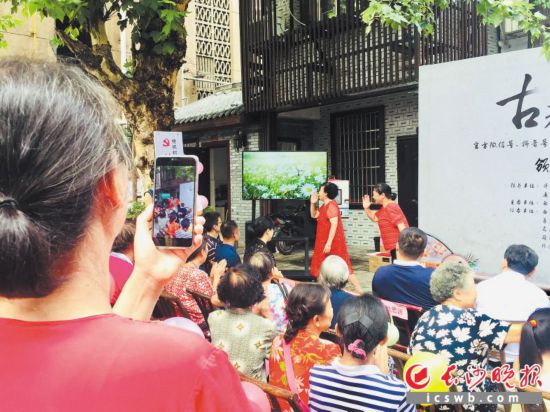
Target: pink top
<point>110,363</point>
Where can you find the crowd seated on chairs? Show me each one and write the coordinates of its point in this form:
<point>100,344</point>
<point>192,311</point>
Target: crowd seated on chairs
<point>334,274</point>
<point>517,298</point>
<point>191,278</point>
<point>245,336</point>
<point>458,332</point>
<point>61,310</point>
<point>406,280</point>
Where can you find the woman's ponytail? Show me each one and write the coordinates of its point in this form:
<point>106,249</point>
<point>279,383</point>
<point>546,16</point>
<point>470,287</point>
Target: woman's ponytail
<point>25,256</point>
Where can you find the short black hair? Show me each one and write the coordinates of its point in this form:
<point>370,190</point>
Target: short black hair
<point>197,251</point>
<point>330,189</point>
<point>240,287</point>
<point>412,242</point>
<point>125,239</point>
<point>262,264</point>
<point>211,220</point>
<point>228,229</point>
<point>261,225</point>
<point>521,258</point>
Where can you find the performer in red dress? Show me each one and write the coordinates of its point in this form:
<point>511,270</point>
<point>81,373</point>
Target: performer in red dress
<point>330,239</point>
<point>390,218</point>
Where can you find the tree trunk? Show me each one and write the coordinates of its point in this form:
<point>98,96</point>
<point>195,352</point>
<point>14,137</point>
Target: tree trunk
<point>145,116</point>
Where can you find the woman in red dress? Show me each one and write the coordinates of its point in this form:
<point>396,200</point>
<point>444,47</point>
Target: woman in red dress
<point>390,218</point>
<point>330,239</point>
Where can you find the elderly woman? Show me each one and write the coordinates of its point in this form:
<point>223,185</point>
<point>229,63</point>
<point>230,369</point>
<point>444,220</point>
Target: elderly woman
<point>245,336</point>
<point>334,275</point>
<point>457,331</point>
<point>63,199</point>
<point>276,292</point>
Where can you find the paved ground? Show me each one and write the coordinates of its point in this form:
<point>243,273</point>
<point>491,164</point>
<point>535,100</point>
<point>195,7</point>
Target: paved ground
<point>358,256</point>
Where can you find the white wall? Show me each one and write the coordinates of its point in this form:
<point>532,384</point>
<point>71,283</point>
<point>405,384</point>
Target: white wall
<point>467,170</point>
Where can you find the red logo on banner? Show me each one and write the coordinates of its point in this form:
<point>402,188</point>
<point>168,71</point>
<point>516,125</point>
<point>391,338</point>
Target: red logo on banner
<point>165,142</point>
<point>417,377</point>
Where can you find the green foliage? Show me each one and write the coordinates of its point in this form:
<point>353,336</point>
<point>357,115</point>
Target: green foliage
<point>135,209</point>
<point>156,24</point>
<point>6,23</point>
<point>420,14</point>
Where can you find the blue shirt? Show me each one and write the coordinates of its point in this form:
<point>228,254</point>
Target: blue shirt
<point>229,253</point>
<point>337,299</point>
<point>404,284</point>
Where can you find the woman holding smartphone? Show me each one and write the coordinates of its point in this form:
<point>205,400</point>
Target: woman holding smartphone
<point>64,172</point>
<point>390,218</point>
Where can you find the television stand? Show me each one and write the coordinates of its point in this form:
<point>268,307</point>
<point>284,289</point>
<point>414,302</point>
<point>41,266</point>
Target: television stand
<point>298,274</point>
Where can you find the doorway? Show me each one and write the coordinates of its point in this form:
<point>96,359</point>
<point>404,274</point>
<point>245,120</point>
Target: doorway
<point>407,177</point>
<point>214,180</point>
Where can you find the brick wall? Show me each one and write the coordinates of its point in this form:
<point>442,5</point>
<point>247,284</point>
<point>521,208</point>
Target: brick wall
<point>401,119</point>
<point>241,210</point>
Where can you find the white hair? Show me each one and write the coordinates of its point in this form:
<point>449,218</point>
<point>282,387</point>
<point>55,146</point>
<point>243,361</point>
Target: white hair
<point>334,272</point>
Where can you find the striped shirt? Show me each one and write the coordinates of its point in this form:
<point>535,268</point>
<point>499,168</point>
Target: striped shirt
<point>337,387</point>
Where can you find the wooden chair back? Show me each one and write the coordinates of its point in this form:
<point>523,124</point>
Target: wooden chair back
<point>169,306</point>
<point>203,302</point>
<point>275,394</point>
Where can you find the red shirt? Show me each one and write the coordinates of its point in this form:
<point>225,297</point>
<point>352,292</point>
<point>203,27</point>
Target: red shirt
<point>189,278</point>
<point>110,363</point>
<point>388,218</point>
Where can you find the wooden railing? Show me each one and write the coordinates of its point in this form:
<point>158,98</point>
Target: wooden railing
<point>334,58</point>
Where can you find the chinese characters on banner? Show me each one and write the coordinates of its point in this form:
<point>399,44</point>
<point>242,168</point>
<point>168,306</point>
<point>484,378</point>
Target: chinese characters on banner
<point>168,144</point>
<point>484,150</point>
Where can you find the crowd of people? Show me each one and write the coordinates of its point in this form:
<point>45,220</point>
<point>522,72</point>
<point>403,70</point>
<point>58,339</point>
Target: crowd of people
<point>78,285</point>
<point>172,219</point>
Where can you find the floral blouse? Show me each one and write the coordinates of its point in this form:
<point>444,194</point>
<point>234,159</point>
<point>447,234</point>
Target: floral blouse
<point>463,336</point>
<point>277,303</point>
<point>306,350</point>
<point>189,278</point>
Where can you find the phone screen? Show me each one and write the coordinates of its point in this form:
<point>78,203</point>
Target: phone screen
<point>174,198</point>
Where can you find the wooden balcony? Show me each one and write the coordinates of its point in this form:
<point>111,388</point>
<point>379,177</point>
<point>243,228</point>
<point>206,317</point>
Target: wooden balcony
<point>335,59</point>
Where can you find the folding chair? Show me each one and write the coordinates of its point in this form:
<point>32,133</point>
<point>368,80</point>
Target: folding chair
<point>404,317</point>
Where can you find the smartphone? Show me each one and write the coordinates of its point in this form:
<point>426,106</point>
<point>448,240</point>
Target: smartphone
<point>175,197</point>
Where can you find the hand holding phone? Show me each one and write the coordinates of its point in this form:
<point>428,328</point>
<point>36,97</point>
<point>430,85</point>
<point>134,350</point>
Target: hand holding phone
<point>160,265</point>
<point>175,198</point>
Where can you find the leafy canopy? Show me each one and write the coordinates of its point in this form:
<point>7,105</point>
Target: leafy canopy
<point>156,24</point>
<point>420,14</point>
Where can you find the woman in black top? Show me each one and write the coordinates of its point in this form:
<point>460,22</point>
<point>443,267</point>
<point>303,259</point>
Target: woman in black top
<point>262,230</point>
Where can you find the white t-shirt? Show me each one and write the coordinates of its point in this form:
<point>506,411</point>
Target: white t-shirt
<point>510,296</point>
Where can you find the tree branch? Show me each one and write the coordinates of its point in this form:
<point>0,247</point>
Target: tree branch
<point>98,61</point>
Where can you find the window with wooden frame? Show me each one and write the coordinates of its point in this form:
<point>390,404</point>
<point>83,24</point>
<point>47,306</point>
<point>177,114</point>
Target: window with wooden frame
<point>358,150</point>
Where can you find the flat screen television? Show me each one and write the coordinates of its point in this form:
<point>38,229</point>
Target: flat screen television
<point>283,175</point>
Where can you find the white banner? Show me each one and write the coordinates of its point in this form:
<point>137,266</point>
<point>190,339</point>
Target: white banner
<point>484,156</point>
<point>168,144</point>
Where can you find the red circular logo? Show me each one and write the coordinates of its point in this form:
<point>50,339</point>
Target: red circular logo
<point>417,377</point>
<point>165,142</point>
